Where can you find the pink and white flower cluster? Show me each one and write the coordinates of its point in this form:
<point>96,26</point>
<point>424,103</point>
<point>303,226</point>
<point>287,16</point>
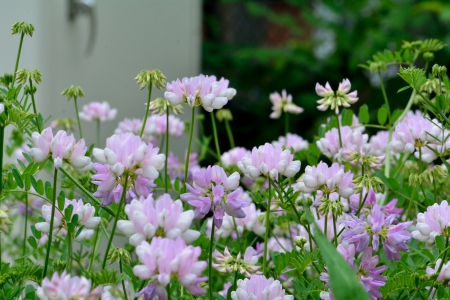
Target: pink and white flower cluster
<point>292,140</point>
<point>156,126</point>
<point>60,148</point>
<point>233,156</point>
<point>162,217</point>
<point>67,287</point>
<point>283,103</point>
<point>226,263</point>
<point>96,111</point>
<point>333,100</point>
<point>433,222</point>
<point>258,287</point>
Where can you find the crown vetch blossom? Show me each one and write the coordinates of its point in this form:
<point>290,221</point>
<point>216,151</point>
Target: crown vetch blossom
<point>96,111</point>
<point>233,156</point>
<point>269,161</point>
<point>283,103</point>
<point>200,90</point>
<point>164,258</point>
<point>433,222</point>
<point>226,263</point>
<point>258,287</point>
<point>250,222</point>
<point>61,148</point>
<point>156,126</point>
<point>352,139</point>
<point>175,169</point>
<point>333,100</point>
<point>164,217</point>
<point>134,126</point>
<point>67,287</point>
<point>379,143</point>
<point>292,140</point>
<point>125,155</point>
<point>443,274</point>
<point>213,190</point>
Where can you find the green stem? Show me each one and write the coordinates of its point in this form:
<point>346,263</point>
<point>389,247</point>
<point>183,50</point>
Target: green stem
<point>98,133</point>
<point>123,281</point>
<point>166,179</point>
<point>147,108</point>
<point>266,237</point>
<point>17,60</point>
<point>211,246</point>
<point>235,280</point>
<point>410,202</point>
<point>230,134</point>
<point>52,219</point>
<point>362,204</point>
<point>440,266</point>
<point>25,227</point>
<point>386,101</point>
<point>387,165</point>
<point>96,243</point>
<point>119,209</point>
<point>335,231</point>
<point>286,123</point>
<point>339,129</point>
<point>69,252</point>
<point>38,126</point>
<point>188,154</point>
<point>169,296</point>
<point>78,117</point>
<point>216,138</point>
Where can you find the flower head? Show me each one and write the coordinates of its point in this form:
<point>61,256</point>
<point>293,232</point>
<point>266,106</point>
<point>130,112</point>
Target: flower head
<point>352,139</point>
<point>4,220</point>
<point>283,103</point>
<point>67,287</point>
<point>226,263</point>
<point>342,97</point>
<point>233,156</point>
<point>156,126</point>
<point>22,28</point>
<point>251,222</point>
<point>159,106</point>
<point>96,111</point>
<point>291,140</point>
<point>258,287</point>
<point>164,217</point>
<point>433,222</point>
<point>146,78</point>
<point>175,168</point>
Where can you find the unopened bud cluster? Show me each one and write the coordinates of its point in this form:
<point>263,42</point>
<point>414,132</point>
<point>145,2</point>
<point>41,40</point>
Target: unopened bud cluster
<point>23,76</point>
<point>439,71</point>
<point>160,106</point>
<point>73,92</point>
<point>151,77</point>
<point>22,28</point>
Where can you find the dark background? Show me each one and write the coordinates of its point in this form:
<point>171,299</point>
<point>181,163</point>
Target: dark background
<point>266,46</point>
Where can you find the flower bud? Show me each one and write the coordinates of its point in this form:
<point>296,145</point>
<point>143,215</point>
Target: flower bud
<point>22,28</point>
<point>73,92</point>
<point>368,182</point>
<point>119,254</point>
<point>4,221</point>
<point>59,265</point>
<point>28,91</point>
<point>6,79</point>
<point>23,76</point>
<point>428,56</point>
<point>160,105</point>
<point>439,71</point>
<point>224,114</point>
<point>154,77</point>
<point>300,242</point>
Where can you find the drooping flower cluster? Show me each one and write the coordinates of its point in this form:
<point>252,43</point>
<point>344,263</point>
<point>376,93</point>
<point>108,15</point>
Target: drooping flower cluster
<point>60,148</point>
<point>96,111</point>
<point>258,287</point>
<point>67,287</point>
<point>213,191</point>
<point>226,263</point>
<point>283,103</point>
<point>86,218</point>
<point>200,90</point>
<point>164,258</point>
<point>163,217</point>
<point>432,222</point>
<point>126,159</point>
<point>333,100</point>
<point>292,140</point>
<point>269,161</point>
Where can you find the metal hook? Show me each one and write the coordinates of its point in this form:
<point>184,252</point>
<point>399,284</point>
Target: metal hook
<point>77,7</point>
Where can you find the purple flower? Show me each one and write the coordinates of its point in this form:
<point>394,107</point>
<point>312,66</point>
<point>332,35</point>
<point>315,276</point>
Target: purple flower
<point>432,223</point>
<point>96,111</point>
<point>176,170</point>
<point>233,156</point>
<point>251,222</point>
<point>283,103</point>
<point>213,191</point>
<point>348,253</point>
<point>379,143</point>
<point>352,139</point>
<point>156,126</point>
<point>292,140</point>
<point>258,287</point>
<point>333,100</point>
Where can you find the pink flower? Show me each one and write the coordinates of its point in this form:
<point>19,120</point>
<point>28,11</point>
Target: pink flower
<point>250,222</point>
<point>163,217</point>
<point>443,274</point>
<point>61,148</point>
<point>270,161</point>
<point>125,155</point>
<point>292,140</point>
<point>433,222</point>
<point>96,111</point>
<point>164,258</point>
<point>200,90</point>
<point>258,287</point>
<point>213,190</point>
<point>283,103</point>
<point>332,100</point>
<point>330,146</point>
<point>156,126</point>
<point>226,263</point>
<point>233,156</point>
<point>175,169</point>
<point>134,126</point>
<point>379,143</point>
<point>66,287</point>
<point>226,287</point>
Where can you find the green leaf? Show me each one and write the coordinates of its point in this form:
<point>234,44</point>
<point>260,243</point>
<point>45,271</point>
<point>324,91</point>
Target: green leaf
<point>68,212</point>
<point>403,89</point>
<point>36,233</point>
<point>176,184</point>
<point>395,115</point>
<point>32,241</point>
<point>11,93</point>
<point>48,190</point>
<point>382,115</point>
<point>343,281</point>
<point>440,242</point>
<point>363,114</point>
<point>17,178</point>
<point>393,184</point>
<point>347,117</point>
<point>27,181</point>
<point>40,187</point>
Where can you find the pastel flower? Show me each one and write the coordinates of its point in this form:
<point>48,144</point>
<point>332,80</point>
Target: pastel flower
<point>348,253</point>
<point>379,143</point>
<point>156,126</point>
<point>226,263</point>
<point>200,90</point>
<point>66,287</point>
<point>283,103</point>
<point>333,100</point>
<point>433,222</point>
<point>258,287</point>
<point>175,169</point>
<point>352,139</point>
<point>443,274</point>
<point>226,287</point>
<point>251,222</point>
<point>269,161</point>
<point>60,148</point>
<point>134,126</point>
<point>213,191</point>
<point>164,258</point>
<point>233,156</point>
<point>96,111</point>
<point>164,217</point>
<point>292,140</point>
<point>125,155</point>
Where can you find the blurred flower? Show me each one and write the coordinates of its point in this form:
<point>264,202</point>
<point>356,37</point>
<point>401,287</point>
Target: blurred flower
<point>291,140</point>
<point>443,274</point>
<point>96,111</point>
<point>379,143</point>
<point>233,156</point>
<point>226,263</point>
<point>251,222</point>
<point>433,222</point>
<point>332,100</point>
<point>175,169</point>
<point>159,106</point>
<point>67,287</point>
<point>226,287</point>
<point>258,287</point>
<point>163,217</point>
<point>157,125</point>
<point>352,139</point>
<point>283,103</point>
<point>4,220</point>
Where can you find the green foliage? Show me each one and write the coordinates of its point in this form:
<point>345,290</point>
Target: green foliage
<point>105,277</point>
<point>16,274</point>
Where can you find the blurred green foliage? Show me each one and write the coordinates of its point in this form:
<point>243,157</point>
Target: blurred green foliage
<point>267,46</point>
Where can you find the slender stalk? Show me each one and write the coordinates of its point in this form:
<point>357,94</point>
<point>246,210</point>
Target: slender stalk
<point>52,219</point>
<point>96,243</point>
<point>235,280</point>
<point>69,252</point>
<point>339,130</point>
<point>266,237</point>
<point>25,227</point>
<point>38,126</point>
<point>410,202</point>
<point>119,209</point>
<point>230,134</point>
<point>147,108</point>
<point>166,179</point>
<point>78,117</point>
<point>362,204</point>
<point>386,101</point>
<point>211,246</point>
<point>98,134</point>
<point>325,227</point>
<point>286,123</point>
<point>216,138</point>
<point>17,59</point>
<point>440,267</point>
<point>123,281</point>
<point>169,296</point>
<point>334,228</point>
<point>188,154</point>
